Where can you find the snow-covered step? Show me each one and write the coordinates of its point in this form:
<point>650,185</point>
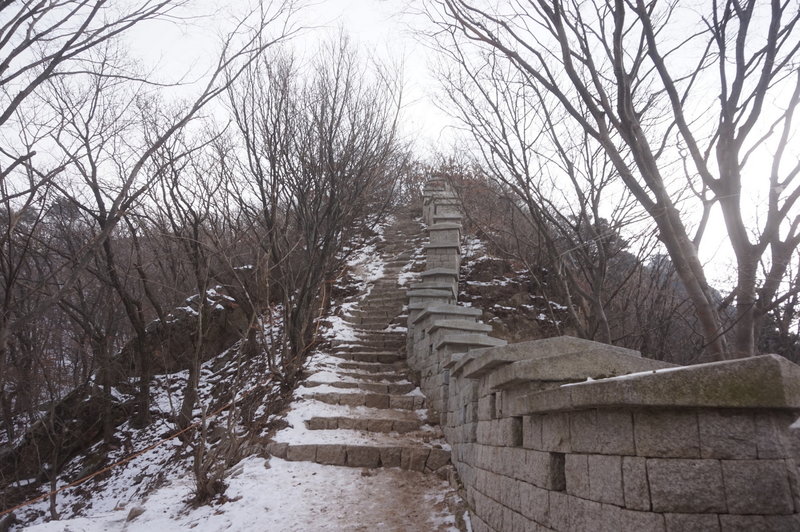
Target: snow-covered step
<point>382,334</point>
<point>394,376</point>
<point>365,345</point>
<point>370,400</point>
<point>365,356</point>
<point>383,424</point>
<point>372,347</point>
<point>366,322</point>
<point>372,325</point>
<point>374,387</point>
<point>390,309</point>
<point>372,367</point>
<point>386,314</point>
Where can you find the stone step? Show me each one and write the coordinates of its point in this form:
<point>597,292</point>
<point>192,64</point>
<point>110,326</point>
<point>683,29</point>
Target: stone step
<point>370,400</point>
<point>389,299</point>
<point>382,307</point>
<point>383,302</point>
<point>375,326</point>
<point>380,334</point>
<point>367,322</point>
<point>386,287</point>
<point>369,344</point>
<point>374,377</point>
<point>366,350</point>
<point>401,426</point>
<point>374,387</point>
<point>383,314</point>
<point>368,347</point>
<point>413,458</point>
<point>392,340</point>
<point>373,367</point>
<point>361,356</point>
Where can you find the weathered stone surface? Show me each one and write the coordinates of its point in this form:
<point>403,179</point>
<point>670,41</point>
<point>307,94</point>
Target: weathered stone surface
<point>559,510</point>
<point>692,522</point>
<point>749,523</point>
<point>376,401</point>
<point>605,479</point>
<point>277,449</point>
<point>565,368</point>
<point>509,460</point>
<point>414,458</point>
<point>584,514</point>
<point>543,469</point>
<point>532,432</point>
<point>576,470</point>
<point>615,518</point>
<point>601,432</point>
<point>467,341</point>
<point>363,456</point>
<point>447,312</point>
<point>671,434</point>
<point>331,455</point>
<point>349,423</point>
<point>555,432</point>
<point>727,434</point>
<point>634,481</point>
<point>437,458</point>
<point>329,398</point>
<point>686,486</point>
<point>390,456</point>
<point>380,425</point>
<point>439,272</point>
<point>478,525</point>
<point>403,402</point>
<point>772,435</point>
<point>508,493</point>
<point>456,325</point>
<point>766,381</point>
<point>301,453</point>
<point>505,432</point>
<point>317,423</point>
<point>403,426</point>
<point>534,502</point>
<point>486,407</point>
<point>757,487</point>
<point>352,399</point>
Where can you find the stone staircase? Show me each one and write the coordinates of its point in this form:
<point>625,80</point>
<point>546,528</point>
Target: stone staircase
<point>357,407</point>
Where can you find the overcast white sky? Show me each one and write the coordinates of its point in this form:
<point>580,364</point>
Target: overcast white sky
<point>378,27</point>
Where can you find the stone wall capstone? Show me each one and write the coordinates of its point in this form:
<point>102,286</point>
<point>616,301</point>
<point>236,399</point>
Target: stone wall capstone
<point>569,434</point>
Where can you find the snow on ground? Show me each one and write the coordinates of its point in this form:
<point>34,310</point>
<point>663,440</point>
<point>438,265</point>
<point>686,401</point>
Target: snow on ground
<point>339,329</point>
<point>277,495</point>
<point>221,378</point>
<point>266,494</point>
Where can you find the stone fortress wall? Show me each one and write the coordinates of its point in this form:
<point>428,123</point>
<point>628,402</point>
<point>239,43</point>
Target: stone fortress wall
<point>568,434</point>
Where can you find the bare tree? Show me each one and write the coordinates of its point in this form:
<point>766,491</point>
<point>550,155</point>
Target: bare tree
<point>630,75</point>
<point>104,131</point>
<point>320,160</point>
<point>562,181</point>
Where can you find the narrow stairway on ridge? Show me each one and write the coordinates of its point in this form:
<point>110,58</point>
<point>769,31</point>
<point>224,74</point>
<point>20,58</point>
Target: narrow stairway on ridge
<point>357,406</point>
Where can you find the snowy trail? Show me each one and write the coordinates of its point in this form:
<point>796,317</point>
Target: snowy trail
<point>289,496</point>
<point>358,453</point>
